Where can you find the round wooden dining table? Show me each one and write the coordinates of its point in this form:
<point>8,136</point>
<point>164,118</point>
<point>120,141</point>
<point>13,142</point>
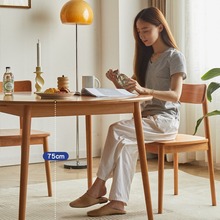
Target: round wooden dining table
<point>30,105</point>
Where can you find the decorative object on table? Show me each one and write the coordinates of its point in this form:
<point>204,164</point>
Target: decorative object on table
<point>76,12</point>
<point>39,81</point>
<point>213,86</point>
<point>8,82</point>
<point>63,82</point>
<point>16,4</point>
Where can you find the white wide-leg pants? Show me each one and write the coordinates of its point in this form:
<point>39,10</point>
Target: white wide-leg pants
<point>120,152</point>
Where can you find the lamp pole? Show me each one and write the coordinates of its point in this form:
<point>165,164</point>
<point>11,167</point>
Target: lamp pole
<point>78,164</point>
<point>77,78</point>
<point>76,12</point>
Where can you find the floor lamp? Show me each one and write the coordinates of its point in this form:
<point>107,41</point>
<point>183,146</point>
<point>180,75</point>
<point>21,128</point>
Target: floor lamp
<point>76,12</point>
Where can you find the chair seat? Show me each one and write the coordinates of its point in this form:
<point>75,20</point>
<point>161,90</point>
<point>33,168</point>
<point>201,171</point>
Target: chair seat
<point>12,137</point>
<point>183,139</point>
<point>179,144</point>
<point>10,133</point>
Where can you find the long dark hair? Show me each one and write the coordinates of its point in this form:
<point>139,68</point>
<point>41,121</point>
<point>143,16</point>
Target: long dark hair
<point>143,53</point>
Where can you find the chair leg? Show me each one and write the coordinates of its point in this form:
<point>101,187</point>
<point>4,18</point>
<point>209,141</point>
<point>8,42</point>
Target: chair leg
<point>211,177</point>
<point>47,168</point>
<point>160,178</point>
<point>175,168</point>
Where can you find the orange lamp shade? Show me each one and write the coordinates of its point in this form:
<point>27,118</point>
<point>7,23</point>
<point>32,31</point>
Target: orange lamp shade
<point>76,12</point>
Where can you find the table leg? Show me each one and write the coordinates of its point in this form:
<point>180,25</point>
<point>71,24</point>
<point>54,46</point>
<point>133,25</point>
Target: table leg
<point>89,148</point>
<point>143,159</point>
<point>25,145</point>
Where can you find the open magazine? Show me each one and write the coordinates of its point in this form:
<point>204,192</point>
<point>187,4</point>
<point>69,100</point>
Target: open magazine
<point>106,92</point>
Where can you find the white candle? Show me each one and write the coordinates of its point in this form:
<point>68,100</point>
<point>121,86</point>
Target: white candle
<point>38,53</point>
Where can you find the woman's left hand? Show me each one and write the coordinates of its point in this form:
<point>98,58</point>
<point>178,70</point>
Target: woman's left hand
<point>132,85</point>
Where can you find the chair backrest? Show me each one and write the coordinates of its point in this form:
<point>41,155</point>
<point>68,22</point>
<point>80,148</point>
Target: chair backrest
<point>20,86</point>
<point>196,94</point>
<point>193,93</point>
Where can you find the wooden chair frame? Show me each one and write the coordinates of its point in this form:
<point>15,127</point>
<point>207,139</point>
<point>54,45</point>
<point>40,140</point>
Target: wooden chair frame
<point>12,137</point>
<point>194,94</point>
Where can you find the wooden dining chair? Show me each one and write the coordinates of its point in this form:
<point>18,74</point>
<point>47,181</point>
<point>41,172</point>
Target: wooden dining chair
<point>12,137</point>
<point>191,94</point>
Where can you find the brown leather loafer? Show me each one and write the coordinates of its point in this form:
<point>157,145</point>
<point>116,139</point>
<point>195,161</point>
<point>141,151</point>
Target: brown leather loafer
<point>105,210</point>
<point>86,201</point>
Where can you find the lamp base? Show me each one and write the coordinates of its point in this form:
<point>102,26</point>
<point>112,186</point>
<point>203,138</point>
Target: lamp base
<point>75,165</point>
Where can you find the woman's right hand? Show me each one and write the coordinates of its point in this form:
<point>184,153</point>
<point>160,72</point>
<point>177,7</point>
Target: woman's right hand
<point>112,76</point>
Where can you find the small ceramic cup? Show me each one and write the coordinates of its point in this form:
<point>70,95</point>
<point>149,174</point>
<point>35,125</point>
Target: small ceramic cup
<point>90,82</point>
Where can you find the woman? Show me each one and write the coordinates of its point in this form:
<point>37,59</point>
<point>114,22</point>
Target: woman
<point>159,69</point>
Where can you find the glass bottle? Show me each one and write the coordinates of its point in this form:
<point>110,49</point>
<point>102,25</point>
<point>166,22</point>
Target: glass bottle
<point>121,78</point>
<point>8,82</point>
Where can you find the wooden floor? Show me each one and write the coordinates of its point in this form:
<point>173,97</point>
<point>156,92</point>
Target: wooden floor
<point>9,176</point>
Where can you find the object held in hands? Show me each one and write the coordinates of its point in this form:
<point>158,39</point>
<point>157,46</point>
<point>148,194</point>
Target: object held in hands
<point>122,79</point>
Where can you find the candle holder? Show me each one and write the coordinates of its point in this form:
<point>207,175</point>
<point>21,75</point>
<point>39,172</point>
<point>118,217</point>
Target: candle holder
<point>38,79</point>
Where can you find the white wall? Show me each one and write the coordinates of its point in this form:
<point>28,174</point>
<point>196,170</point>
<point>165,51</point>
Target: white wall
<point>107,43</point>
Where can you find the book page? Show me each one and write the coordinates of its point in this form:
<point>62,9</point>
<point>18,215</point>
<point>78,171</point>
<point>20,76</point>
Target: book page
<point>105,92</point>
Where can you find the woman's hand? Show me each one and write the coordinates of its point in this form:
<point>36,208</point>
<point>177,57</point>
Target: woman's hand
<point>172,95</point>
<point>132,85</point>
<point>112,76</point>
